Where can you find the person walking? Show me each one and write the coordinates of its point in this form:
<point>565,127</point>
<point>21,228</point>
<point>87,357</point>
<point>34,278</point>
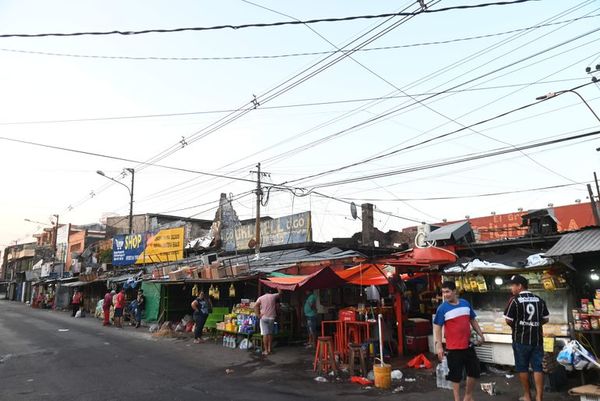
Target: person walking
<point>202,308</point>
<point>526,313</point>
<point>119,306</point>
<point>457,317</point>
<point>141,307</point>
<point>266,310</point>
<point>106,306</point>
<point>310,312</point>
<point>76,302</point>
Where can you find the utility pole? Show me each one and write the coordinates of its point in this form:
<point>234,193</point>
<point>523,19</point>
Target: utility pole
<point>594,205</point>
<point>132,171</point>
<point>55,236</point>
<point>259,194</point>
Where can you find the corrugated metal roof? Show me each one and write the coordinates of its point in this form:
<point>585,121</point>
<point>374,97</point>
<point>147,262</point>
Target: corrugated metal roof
<point>577,242</point>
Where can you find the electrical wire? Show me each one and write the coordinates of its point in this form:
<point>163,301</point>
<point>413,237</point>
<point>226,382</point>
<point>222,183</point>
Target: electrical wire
<point>483,195</point>
<point>299,54</point>
<point>266,25</point>
<point>463,159</point>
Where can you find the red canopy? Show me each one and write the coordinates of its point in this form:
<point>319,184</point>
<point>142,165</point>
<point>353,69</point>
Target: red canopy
<point>421,257</point>
<point>372,274</point>
<point>324,278</point>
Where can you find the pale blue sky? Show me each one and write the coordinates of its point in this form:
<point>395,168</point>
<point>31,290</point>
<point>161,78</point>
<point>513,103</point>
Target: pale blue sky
<point>38,182</point>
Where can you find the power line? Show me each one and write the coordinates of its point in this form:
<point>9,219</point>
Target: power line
<point>464,159</point>
<point>288,55</point>
<point>264,25</point>
<point>284,106</point>
<point>451,197</point>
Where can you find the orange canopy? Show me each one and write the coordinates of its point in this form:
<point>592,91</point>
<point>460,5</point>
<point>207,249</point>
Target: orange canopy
<point>372,274</point>
<point>421,257</point>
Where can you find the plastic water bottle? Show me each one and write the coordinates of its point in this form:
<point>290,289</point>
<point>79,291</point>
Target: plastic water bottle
<point>441,371</point>
<point>224,340</point>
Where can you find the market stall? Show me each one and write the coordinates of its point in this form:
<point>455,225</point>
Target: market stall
<point>484,283</point>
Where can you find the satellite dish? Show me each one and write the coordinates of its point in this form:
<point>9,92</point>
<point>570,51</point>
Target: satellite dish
<point>353,210</point>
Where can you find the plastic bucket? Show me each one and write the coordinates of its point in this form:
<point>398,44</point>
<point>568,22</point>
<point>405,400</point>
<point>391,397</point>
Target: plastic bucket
<point>383,375</point>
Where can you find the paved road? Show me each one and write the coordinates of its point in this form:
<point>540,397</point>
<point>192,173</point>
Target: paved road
<point>47,355</point>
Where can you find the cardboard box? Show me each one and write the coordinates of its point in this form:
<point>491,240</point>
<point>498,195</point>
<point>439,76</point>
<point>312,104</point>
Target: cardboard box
<point>216,272</point>
<point>239,270</point>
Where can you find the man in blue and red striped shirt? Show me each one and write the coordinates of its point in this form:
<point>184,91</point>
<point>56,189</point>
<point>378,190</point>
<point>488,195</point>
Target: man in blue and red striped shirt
<point>457,317</point>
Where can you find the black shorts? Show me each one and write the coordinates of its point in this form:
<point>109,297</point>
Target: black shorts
<point>463,359</point>
<point>118,312</point>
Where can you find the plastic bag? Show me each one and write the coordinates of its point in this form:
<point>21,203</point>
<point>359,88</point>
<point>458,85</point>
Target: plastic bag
<point>565,356</point>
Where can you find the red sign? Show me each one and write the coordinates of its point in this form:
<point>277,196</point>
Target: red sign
<point>500,226</point>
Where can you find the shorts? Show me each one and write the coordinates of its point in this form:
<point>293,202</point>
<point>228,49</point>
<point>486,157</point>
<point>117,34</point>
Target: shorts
<point>266,326</point>
<point>526,355</point>
<point>463,359</point>
<point>311,325</point>
<point>118,312</point>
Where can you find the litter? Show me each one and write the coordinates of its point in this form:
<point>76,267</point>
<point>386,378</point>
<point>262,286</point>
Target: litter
<point>489,388</point>
<point>229,371</point>
<point>420,362</point>
<point>321,379</point>
<point>63,330</point>
<point>371,376</point>
<point>410,380</point>
<point>397,375</point>
<point>361,380</point>
<point>510,376</point>
<point>398,390</point>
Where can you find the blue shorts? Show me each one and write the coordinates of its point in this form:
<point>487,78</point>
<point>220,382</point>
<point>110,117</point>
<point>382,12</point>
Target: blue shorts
<point>526,355</point>
<point>118,312</point>
<point>311,324</point>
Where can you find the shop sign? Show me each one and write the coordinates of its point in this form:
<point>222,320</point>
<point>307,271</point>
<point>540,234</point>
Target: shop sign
<point>293,229</point>
<point>149,247</point>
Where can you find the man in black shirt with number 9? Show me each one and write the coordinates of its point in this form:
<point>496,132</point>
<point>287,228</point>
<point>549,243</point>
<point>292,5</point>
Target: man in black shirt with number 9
<point>525,314</point>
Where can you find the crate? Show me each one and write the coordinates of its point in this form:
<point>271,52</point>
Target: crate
<point>417,344</point>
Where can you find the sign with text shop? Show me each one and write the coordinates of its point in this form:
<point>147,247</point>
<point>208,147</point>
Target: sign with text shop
<point>149,247</point>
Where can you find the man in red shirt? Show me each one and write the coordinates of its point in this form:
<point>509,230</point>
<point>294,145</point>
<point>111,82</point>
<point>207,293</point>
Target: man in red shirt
<point>119,306</point>
<point>457,317</point>
<point>106,306</point>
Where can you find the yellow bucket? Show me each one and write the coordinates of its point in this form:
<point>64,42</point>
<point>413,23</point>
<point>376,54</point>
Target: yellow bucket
<point>383,375</point>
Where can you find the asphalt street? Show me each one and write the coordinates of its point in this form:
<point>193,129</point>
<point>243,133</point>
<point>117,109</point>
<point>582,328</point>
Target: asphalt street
<point>48,355</point>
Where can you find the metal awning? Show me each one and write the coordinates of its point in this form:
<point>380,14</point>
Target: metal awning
<point>453,231</point>
<point>577,242</point>
<point>76,284</point>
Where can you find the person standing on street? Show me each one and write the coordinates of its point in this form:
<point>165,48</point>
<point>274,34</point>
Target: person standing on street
<point>202,308</point>
<point>76,302</point>
<point>457,317</point>
<point>526,313</point>
<point>310,312</point>
<point>266,310</point>
<point>119,306</point>
<point>106,306</point>
<point>141,307</point>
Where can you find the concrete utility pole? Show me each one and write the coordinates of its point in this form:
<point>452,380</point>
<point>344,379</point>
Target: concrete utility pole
<point>130,189</point>
<point>259,194</point>
<point>594,205</point>
<point>55,236</point>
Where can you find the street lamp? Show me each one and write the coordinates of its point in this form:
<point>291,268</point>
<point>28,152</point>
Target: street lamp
<point>554,94</point>
<point>129,189</point>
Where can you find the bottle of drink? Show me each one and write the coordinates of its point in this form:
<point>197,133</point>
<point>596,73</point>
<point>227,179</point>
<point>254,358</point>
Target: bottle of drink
<point>224,340</point>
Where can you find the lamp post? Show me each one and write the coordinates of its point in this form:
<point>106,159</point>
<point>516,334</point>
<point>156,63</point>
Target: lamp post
<point>129,189</point>
<point>554,94</point>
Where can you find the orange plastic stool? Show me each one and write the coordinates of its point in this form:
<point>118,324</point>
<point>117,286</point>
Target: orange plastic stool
<point>324,358</point>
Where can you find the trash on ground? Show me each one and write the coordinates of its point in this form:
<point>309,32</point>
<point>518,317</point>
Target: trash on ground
<point>229,371</point>
<point>510,376</point>
<point>321,379</point>
<point>397,375</point>
<point>361,380</point>
<point>398,390</point>
<point>371,376</point>
<point>410,380</point>
<point>420,362</point>
<point>63,330</point>
<point>489,388</point>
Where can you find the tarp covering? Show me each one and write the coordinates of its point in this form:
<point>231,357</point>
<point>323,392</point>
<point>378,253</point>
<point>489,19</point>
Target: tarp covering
<point>422,257</point>
<point>324,278</point>
<point>372,274</point>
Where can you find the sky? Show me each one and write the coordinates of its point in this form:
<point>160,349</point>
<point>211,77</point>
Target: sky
<point>115,82</point>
